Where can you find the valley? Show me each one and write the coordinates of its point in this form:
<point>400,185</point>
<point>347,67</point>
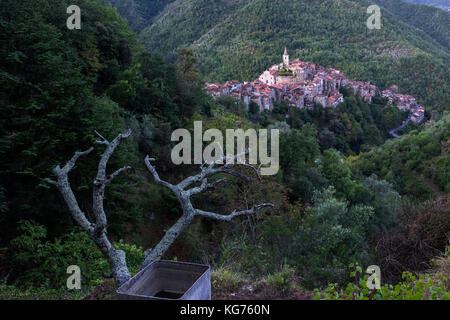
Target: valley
<point>95,180</point>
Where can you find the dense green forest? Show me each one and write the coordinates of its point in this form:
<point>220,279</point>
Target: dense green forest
<point>139,13</point>
<point>435,23</point>
<point>240,39</point>
<point>58,86</point>
<point>345,192</point>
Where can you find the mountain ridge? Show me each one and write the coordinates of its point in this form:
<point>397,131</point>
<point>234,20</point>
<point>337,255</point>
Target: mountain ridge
<point>441,4</point>
<point>434,22</point>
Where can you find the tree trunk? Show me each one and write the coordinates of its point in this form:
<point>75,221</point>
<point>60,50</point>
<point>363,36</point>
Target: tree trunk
<point>171,234</point>
<point>116,259</point>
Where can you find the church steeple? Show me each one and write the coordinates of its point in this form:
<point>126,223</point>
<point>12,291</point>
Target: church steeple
<point>285,57</point>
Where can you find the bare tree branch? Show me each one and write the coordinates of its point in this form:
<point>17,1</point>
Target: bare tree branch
<point>97,230</point>
<point>101,181</point>
<point>205,172</point>
<point>169,237</point>
<point>63,186</point>
<point>48,180</point>
<point>184,197</point>
<point>71,163</point>
<point>155,174</point>
<point>103,141</point>
<point>234,214</point>
<point>110,147</point>
<point>213,168</point>
<point>116,173</point>
<point>204,186</point>
<point>236,174</point>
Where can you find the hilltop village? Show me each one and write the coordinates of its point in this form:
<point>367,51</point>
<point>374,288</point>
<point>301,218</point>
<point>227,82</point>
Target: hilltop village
<point>303,84</point>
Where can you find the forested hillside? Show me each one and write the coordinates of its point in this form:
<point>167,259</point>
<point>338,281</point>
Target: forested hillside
<point>57,87</point>
<point>240,39</point>
<point>433,22</point>
<point>417,164</point>
<point>138,13</point>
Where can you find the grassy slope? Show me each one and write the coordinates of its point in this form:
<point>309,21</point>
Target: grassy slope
<point>239,39</point>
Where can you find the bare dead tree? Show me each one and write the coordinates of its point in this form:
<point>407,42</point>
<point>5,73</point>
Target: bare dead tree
<point>97,229</point>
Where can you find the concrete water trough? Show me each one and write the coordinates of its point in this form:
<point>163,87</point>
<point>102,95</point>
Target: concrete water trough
<point>168,280</point>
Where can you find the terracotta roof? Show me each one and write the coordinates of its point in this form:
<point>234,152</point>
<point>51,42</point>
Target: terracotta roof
<point>277,86</point>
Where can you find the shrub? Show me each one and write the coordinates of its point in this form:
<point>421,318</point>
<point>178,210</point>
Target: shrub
<point>422,235</point>
<point>134,255</point>
<point>319,241</point>
<point>43,264</point>
<point>423,287</point>
<point>225,280</point>
<point>283,280</point>
<point>442,173</point>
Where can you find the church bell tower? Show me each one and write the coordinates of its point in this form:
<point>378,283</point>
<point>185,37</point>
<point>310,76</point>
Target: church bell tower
<point>285,57</point>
